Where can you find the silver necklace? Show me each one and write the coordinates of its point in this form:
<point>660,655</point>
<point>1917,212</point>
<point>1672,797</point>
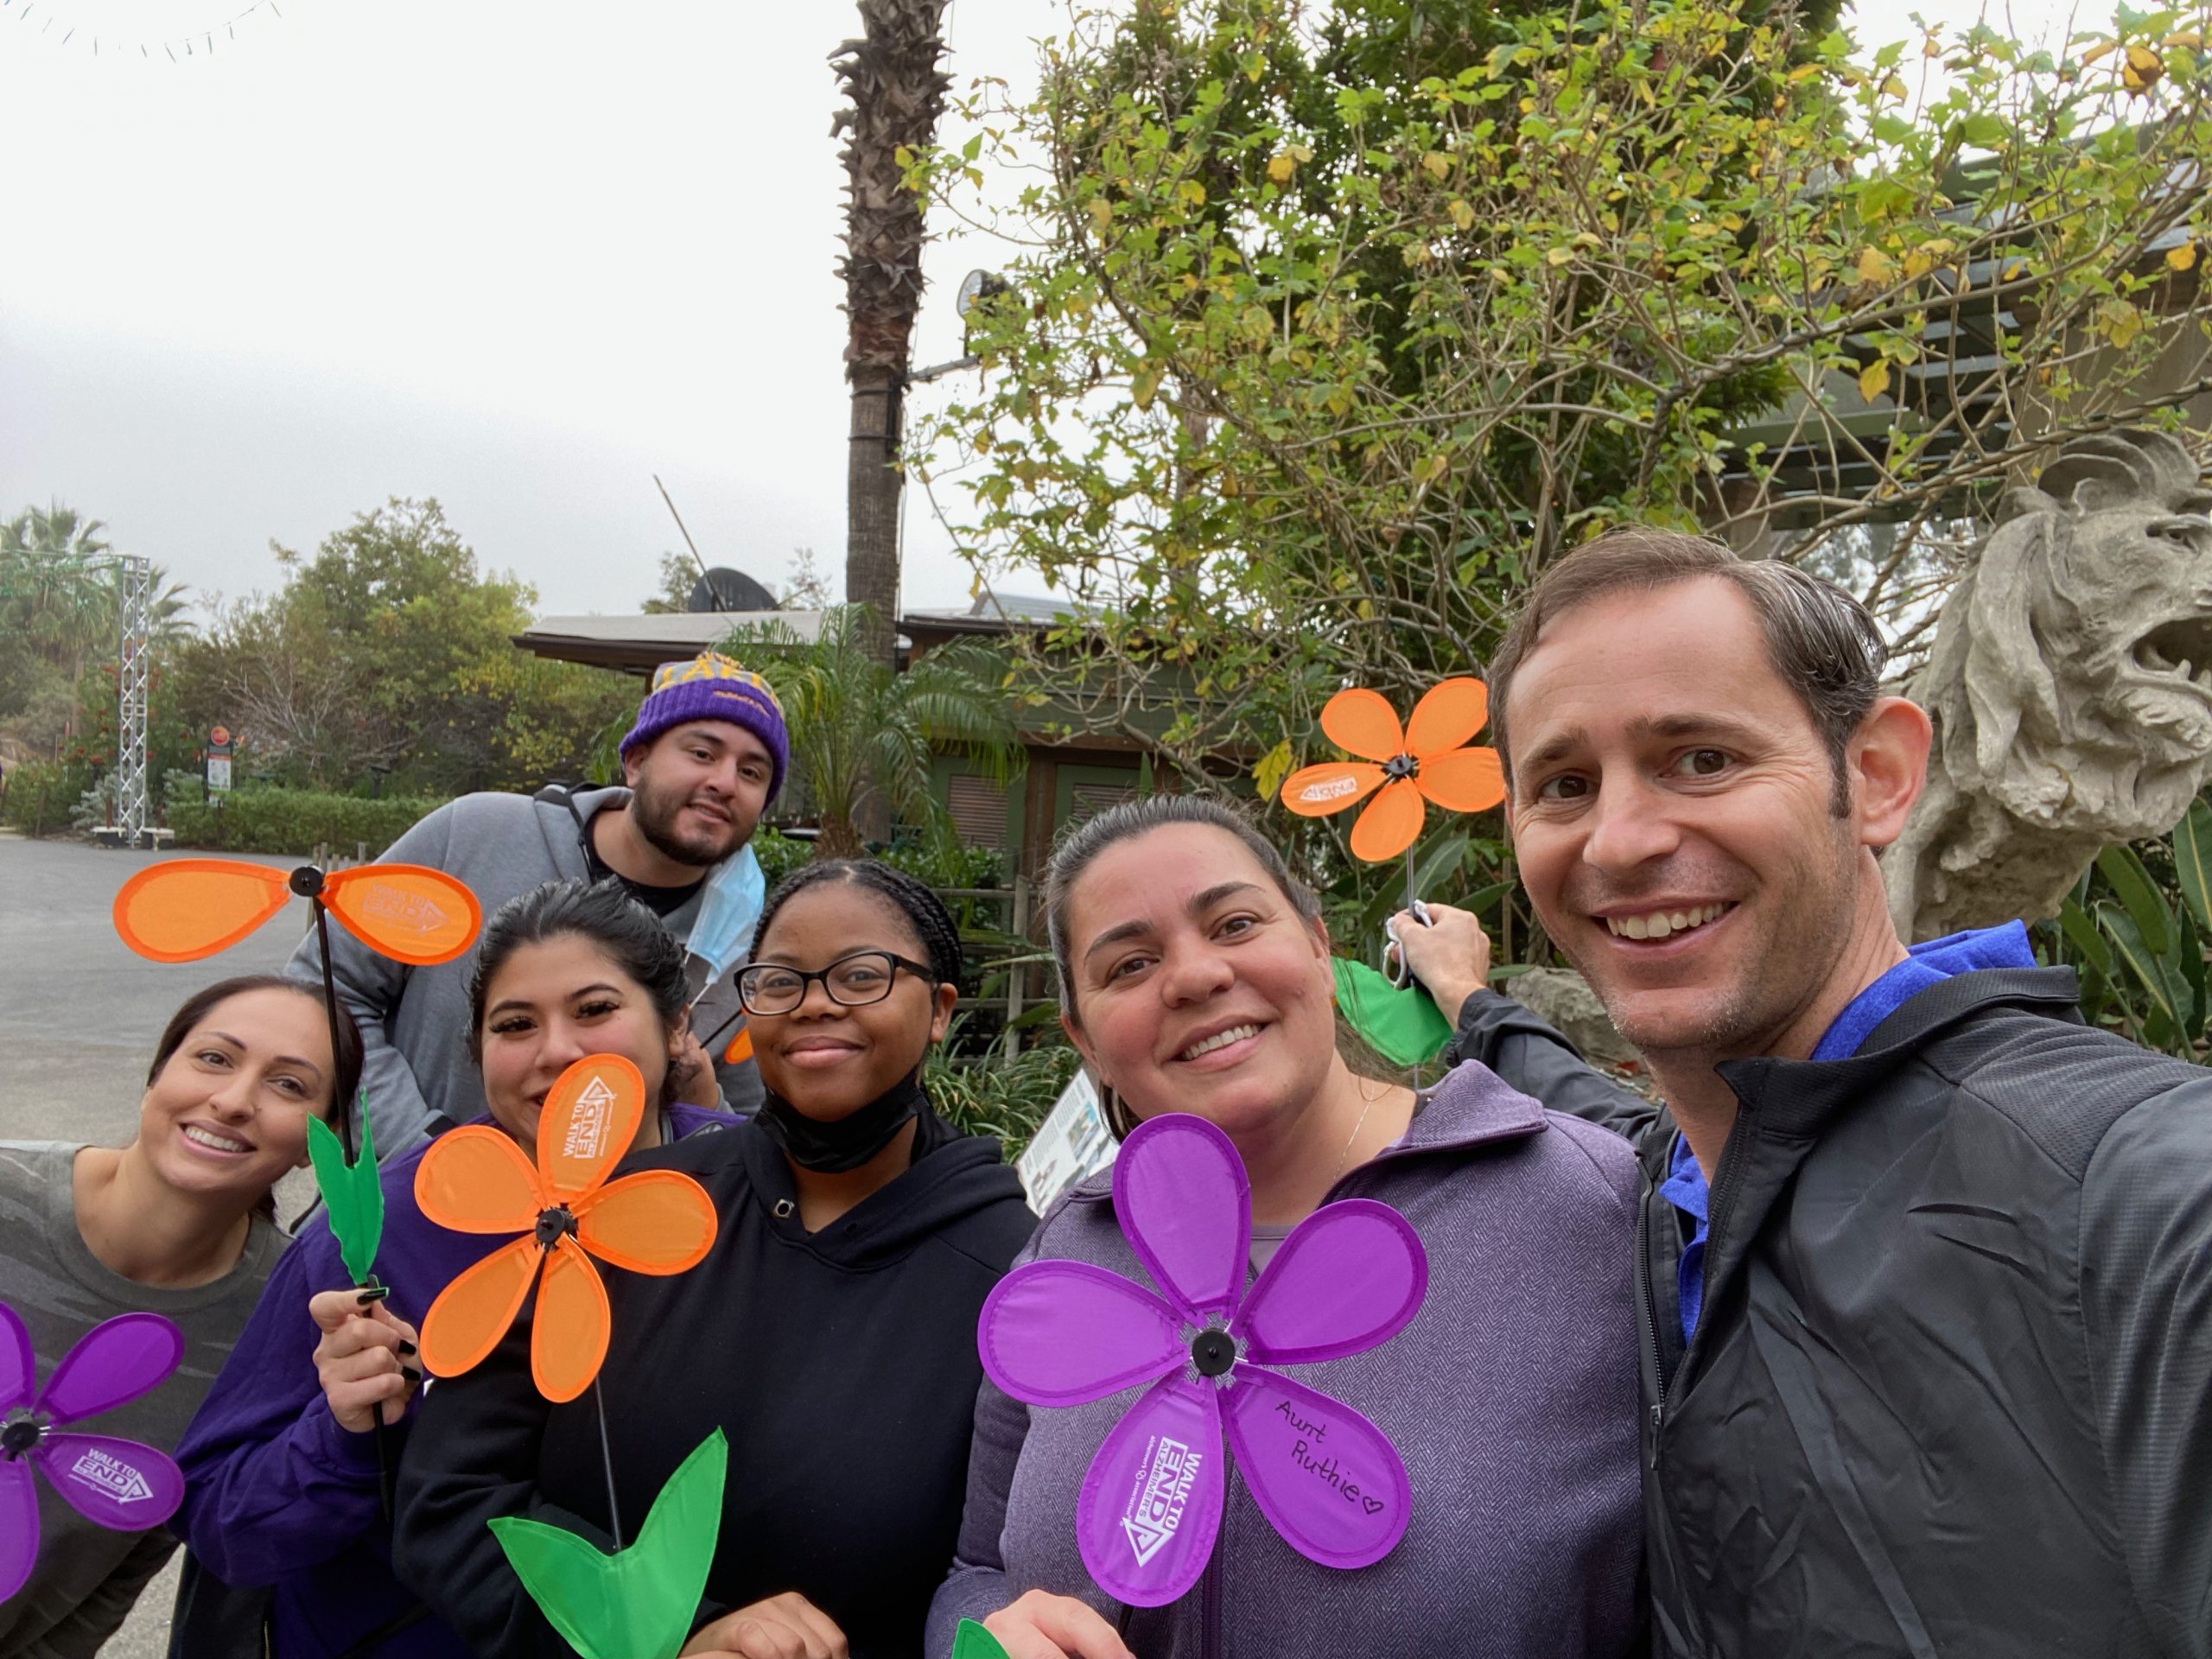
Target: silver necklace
<point>1352,1139</point>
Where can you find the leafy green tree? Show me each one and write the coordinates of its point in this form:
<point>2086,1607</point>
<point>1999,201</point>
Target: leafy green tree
<point>678,574</point>
<point>60,594</point>
<point>388,650</point>
<point>543,719</point>
<point>863,735</point>
<point>1333,335</point>
<point>55,592</point>
<point>406,614</point>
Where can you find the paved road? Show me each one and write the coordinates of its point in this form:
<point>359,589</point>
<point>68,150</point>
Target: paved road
<point>79,1017</point>
<point>80,1011</point>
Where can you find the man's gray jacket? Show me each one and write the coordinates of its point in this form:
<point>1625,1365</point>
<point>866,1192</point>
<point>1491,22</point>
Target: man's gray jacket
<point>1950,1392</point>
<point>415,1020</point>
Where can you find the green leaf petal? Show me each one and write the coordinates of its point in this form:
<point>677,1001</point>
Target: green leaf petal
<point>351,1193</point>
<point>2132,882</point>
<point>972,1640</point>
<point>2193,860</point>
<point>639,1604</point>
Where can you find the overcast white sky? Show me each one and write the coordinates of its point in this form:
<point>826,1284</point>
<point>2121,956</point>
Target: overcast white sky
<point>517,256</point>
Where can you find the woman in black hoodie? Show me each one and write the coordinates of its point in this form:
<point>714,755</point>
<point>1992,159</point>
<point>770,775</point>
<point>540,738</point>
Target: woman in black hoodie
<point>830,1333</point>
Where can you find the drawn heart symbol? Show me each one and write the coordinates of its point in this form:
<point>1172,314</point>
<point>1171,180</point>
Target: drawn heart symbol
<point>1372,1504</point>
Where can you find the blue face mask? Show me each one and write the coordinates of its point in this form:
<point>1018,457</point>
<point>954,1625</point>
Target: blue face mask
<point>728,911</point>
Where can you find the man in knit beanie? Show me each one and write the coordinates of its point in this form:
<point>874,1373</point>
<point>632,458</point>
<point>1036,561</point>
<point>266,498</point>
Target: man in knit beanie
<point>691,776</point>
<point>707,754</point>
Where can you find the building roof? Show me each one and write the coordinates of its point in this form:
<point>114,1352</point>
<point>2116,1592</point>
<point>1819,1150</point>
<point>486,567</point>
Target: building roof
<point>993,613</point>
<point>638,645</point>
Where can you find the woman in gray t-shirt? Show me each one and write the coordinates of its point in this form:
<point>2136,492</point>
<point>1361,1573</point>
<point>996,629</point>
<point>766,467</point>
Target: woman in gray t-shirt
<point>179,1223</point>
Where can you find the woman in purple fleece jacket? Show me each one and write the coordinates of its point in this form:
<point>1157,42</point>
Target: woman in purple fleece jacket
<point>280,1462</point>
<point>1195,978</point>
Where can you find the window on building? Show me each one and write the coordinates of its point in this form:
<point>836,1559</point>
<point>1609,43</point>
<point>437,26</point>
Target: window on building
<point>1087,800</point>
<point>978,809</point>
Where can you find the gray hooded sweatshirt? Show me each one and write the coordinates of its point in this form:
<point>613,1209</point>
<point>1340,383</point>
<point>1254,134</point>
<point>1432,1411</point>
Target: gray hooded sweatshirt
<point>1511,1396</point>
<point>415,1020</point>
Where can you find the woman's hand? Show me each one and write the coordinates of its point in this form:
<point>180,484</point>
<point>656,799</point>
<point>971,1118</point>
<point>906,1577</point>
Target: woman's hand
<point>788,1626</point>
<point>1041,1626</point>
<point>700,1087</point>
<point>366,1359</point>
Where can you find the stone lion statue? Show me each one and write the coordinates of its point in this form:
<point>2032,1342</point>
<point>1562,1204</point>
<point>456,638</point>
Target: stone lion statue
<point>2070,685</point>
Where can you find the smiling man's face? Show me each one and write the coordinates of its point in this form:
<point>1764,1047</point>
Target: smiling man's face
<point>698,789</point>
<point>1674,818</point>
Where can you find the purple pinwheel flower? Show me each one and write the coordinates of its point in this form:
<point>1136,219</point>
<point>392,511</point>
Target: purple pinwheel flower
<point>1349,1276</point>
<point>115,1483</point>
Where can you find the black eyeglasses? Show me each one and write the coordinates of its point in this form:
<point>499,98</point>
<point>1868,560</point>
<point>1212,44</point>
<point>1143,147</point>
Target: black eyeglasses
<point>851,981</point>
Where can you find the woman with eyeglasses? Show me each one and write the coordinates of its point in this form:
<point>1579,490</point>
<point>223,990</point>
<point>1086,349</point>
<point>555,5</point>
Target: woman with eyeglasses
<point>830,1333</point>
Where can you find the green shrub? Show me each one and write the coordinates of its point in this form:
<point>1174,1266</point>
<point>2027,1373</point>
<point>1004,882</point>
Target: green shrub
<point>39,795</point>
<point>287,822</point>
<point>96,807</point>
<point>942,865</point>
<point>948,863</point>
<point>2137,929</point>
<point>996,1095</point>
<point>779,854</point>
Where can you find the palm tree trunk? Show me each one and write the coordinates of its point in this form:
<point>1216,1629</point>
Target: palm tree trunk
<point>897,92</point>
<point>839,838</point>
<point>873,483</point>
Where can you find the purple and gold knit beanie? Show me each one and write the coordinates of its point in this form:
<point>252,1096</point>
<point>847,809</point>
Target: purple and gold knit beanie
<point>711,686</point>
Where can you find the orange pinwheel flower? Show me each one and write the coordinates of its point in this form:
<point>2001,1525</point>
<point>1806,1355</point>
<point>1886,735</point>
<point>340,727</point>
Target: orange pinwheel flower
<point>182,909</point>
<point>475,1180</point>
<point>1425,761</point>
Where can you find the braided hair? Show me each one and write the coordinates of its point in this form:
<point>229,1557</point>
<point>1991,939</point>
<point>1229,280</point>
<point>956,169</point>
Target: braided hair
<point>911,898</point>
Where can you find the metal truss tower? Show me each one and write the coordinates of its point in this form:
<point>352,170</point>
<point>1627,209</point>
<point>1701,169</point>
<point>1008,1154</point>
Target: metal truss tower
<point>134,657</point>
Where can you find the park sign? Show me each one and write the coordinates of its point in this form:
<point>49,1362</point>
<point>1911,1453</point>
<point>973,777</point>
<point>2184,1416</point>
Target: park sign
<point>218,760</point>
<point>1072,1142</point>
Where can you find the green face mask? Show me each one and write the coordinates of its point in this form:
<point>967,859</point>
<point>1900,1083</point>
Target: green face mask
<point>1405,1028</point>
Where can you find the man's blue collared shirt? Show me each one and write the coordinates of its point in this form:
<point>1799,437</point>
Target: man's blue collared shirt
<point>1927,964</point>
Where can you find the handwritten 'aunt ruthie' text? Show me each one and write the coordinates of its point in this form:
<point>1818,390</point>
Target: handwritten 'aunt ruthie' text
<point>1321,1463</point>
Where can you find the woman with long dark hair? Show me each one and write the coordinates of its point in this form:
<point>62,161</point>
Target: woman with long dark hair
<point>281,1462</point>
<point>177,1223</point>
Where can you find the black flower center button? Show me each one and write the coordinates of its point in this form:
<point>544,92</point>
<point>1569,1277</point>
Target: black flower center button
<point>1213,1352</point>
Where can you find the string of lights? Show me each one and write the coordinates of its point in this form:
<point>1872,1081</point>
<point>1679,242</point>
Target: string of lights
<point>60,25</point>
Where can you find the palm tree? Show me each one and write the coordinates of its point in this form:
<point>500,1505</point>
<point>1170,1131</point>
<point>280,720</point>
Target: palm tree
<point>54,591</point>
<point>863,735</point>
<point>897,92</point>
